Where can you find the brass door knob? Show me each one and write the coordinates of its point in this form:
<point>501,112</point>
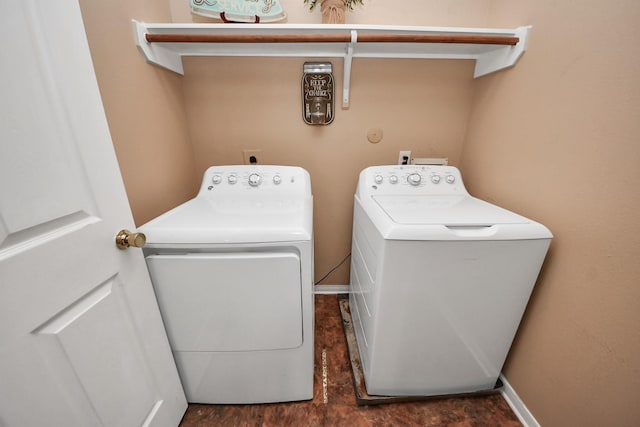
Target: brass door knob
<point>125,238</point>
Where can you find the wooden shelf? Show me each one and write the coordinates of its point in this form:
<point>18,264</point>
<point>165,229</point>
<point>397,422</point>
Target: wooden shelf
<point>492,49</point>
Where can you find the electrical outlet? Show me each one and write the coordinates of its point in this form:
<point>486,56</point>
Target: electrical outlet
<point>404,158</point>
<point>252,157</point>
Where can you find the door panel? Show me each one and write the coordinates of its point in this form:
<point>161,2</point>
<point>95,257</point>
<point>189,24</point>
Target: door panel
<point>33,110</point>
<point>81,337</point>
<point>95,333</point>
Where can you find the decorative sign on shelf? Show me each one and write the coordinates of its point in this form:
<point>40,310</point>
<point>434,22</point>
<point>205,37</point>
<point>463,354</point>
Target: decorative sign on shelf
<point>239,10</point>
<point>317,93</point>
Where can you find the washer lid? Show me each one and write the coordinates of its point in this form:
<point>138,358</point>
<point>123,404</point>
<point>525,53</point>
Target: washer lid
<point>204,221</point>
<point>445,210</point>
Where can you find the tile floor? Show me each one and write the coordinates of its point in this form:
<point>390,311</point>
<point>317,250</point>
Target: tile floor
<point>340,408</point>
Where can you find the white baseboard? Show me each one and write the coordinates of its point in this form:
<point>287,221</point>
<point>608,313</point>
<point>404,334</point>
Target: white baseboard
<point>330,289</point>
<point>517,405</point>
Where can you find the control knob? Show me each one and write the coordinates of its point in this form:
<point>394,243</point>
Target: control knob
<point>254,179</point>
<point>277,179</point>
<point>435,179</point>
<point>393,179</point>
<point>414,179</point>
<point>378,179</point>
<point>232,179</point>
<point>450,179</point>
<point>217,179</point>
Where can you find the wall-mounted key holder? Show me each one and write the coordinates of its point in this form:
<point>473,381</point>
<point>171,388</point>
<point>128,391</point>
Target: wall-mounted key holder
<point>317,93</point>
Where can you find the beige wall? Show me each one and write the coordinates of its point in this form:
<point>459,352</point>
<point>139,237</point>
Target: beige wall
<point>144,107</point>
<point>557,139</point>
<point>446,13</point>
<point>247,103</point>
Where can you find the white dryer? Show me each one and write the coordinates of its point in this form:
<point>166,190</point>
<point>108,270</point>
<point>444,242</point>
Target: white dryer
<point>439,281</point>
<point>233,273</point>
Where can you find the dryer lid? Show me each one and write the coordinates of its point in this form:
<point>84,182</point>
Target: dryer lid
<point>445,210</point>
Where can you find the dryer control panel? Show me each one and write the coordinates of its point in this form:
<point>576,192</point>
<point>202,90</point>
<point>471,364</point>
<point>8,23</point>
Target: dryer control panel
<point>411,179</point>
<point>286,181</point>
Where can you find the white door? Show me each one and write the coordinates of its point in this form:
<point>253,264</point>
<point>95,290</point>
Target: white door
<point>81,338</point>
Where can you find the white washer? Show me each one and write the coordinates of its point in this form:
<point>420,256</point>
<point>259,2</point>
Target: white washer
<point>233,273</point>
<point>440,281</point>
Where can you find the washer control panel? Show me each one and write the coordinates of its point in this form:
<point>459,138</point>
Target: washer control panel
<point>265,179</point>
<point>412,179</point>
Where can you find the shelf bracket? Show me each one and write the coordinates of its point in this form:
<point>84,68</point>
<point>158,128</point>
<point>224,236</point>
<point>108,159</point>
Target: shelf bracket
<point>156,53</point>
<point>346,78</point>
<point>504,57</point>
